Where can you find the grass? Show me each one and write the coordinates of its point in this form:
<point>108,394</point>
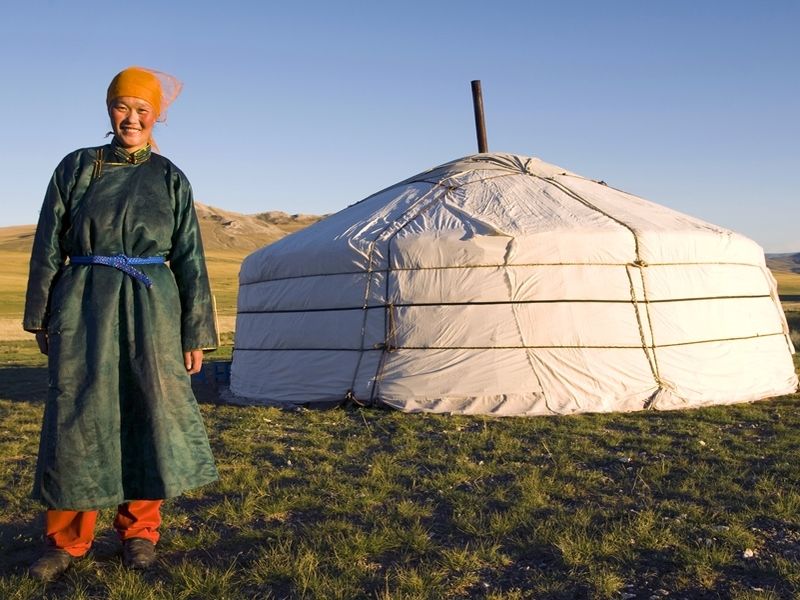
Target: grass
<point>13,280</point>
<point>363,503</point>
<point>788,283</point>
<point>793,320</point>
<point>223,270</point>
<point>359,503</point>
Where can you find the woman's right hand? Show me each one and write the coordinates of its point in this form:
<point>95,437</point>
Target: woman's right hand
<point>41,339</point>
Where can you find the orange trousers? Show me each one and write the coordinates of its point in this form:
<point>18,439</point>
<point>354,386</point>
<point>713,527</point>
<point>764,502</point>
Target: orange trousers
<point>73,530</point>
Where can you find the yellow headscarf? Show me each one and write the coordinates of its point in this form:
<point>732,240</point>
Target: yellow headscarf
<point>136,82</point>
<point>157,88</point>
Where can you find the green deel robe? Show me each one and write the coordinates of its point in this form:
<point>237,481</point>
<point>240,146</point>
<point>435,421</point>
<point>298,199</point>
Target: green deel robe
<point>121,422</point>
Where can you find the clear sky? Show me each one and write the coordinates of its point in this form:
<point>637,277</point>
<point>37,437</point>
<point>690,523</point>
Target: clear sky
<point>307,107</point>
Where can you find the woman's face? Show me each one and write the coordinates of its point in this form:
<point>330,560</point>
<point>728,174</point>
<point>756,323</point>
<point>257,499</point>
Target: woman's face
<point>132,120</point>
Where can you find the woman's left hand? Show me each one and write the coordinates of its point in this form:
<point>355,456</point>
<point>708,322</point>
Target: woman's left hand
<point>193,361</point>
<point>42,342</point>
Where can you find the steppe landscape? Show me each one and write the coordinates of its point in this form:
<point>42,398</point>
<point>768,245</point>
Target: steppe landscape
<point>367,503</point>
<point>227,237</point>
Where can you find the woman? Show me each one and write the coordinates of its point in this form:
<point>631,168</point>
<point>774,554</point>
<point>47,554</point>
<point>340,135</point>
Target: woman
<point>119,299</point>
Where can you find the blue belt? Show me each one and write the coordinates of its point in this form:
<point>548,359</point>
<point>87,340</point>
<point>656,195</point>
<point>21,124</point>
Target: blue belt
<point>121,262</point>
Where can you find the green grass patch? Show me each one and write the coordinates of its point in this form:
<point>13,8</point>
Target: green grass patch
<point>365,503</point>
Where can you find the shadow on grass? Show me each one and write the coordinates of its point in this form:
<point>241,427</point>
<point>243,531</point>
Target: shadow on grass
<point>537,563</point>
<point>206,393</point>
<point>29,384</point>
<point>23,384</point>
<point>193,506</point>
<point>20,544</point>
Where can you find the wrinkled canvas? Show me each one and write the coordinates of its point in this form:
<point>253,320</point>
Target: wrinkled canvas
<point>500,284</point>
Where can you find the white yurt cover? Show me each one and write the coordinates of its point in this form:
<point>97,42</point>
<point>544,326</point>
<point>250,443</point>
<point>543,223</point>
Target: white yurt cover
<point>500,284</point>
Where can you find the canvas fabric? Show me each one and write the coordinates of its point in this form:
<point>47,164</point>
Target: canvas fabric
<point>499,284</point>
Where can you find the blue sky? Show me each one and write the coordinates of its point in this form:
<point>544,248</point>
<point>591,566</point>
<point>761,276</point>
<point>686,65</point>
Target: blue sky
<point>308,107</point>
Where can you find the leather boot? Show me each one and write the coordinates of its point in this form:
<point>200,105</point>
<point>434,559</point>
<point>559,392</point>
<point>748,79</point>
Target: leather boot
<point>50,565</point>
<point>138,553</point>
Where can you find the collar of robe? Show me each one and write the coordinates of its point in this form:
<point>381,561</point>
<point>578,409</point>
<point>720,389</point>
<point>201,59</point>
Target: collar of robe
<point>133,158</point>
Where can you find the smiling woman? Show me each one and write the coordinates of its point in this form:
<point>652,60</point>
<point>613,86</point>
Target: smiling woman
<point>136,99</point>
<point>122,332</point>
<point>132,120</point>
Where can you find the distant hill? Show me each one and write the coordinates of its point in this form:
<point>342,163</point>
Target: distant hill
<point>784,263</point>
<point>17,239</point>
<point>222,230</point>
<point>226,230</point>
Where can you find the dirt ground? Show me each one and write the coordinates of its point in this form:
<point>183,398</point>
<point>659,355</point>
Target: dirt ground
<point>11,329</point>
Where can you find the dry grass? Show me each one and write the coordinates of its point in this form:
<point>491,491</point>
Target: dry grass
<point>788,283</point>
<point>223,270</point>
<point>13,280</point>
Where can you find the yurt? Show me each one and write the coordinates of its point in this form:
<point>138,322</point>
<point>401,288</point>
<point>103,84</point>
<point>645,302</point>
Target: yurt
<point>500,284</point>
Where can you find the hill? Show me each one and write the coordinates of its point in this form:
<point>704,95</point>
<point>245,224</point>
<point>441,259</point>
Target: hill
<point>786,269</point>
<point>786,263</point>
<point>17,239</point>
<point>223,230</point>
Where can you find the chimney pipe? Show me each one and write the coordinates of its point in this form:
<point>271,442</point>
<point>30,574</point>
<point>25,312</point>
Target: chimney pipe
<point>480,123</point>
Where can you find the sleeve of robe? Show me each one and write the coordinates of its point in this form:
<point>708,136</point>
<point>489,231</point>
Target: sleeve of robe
<point>187,261</point>
<point>48,254</point>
